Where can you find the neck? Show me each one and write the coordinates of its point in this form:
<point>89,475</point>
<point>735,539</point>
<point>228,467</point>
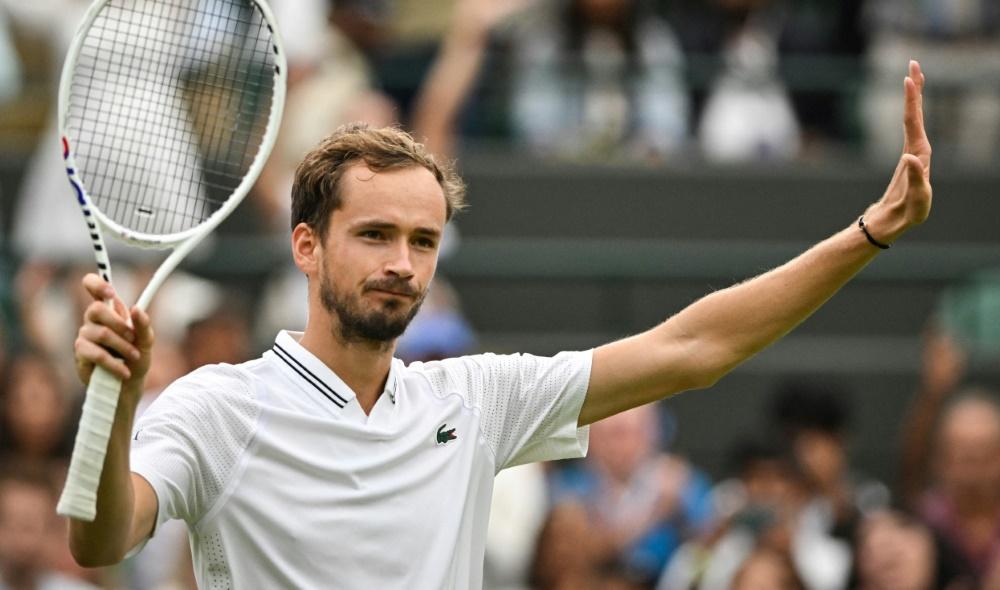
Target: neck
<point>364,366</point>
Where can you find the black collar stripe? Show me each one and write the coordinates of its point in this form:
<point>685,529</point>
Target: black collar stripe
<point>306,374</point>
<point>319,382</point>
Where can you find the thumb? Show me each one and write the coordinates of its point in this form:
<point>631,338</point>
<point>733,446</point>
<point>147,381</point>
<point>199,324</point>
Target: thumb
<point>914,169</point>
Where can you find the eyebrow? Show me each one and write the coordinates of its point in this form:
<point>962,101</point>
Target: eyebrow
<point>373,224</point>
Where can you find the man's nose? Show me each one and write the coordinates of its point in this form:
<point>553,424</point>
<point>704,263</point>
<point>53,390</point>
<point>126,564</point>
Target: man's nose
<point>400,263</point>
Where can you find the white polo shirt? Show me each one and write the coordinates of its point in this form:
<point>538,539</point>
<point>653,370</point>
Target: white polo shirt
<point>284,482</point>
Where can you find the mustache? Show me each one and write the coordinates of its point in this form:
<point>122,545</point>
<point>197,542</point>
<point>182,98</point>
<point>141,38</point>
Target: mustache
<point>401,286</point>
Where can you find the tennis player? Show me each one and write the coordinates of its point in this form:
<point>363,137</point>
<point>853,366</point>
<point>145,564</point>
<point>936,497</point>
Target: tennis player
<point>328,463</point>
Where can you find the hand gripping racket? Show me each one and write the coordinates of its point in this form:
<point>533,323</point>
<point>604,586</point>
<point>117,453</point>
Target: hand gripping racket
<point>168,110</point>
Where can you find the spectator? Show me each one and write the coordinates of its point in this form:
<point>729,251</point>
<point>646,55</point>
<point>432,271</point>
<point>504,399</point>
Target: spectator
<point>962,504</point>
<point>36,420</point>
<point>565,558</point>
<point>600,78</point>
<point>766,505</point>
<point>748,114</point>
<point>453,74</point>
<point>27,515</point>
<point>767,569</point>
<point>222,336</point>
<point>45,198</point>
<point>957,40</point>
<point>823,44</point>
<point>814,418</point>
<point>303,25</point>
<point>642,503</point>
<point>961,339</point>
<point>517,514</point>
<point>46,307</point>
<point>337,89</point>
<point>897,552</point>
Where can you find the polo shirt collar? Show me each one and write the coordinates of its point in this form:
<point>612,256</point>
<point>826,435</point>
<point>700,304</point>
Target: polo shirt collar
<point>313,375</point>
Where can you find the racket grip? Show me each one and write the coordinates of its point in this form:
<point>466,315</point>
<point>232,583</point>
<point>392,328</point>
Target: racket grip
<point>79,495</point>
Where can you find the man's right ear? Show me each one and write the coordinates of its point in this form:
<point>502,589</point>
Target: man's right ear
<point>305,248</point>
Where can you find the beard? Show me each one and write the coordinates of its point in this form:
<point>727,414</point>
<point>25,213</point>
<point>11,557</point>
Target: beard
<point>379,326</point>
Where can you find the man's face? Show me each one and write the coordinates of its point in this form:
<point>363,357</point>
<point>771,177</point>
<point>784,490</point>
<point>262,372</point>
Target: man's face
<point>380,251</point>
<point>620,443</point>
<point>969,451</point>
<point>894,554</point>
<point>24,520</point>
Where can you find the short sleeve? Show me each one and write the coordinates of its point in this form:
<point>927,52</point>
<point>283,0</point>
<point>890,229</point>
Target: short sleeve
<point>189,442</point>
<point>529,405</point>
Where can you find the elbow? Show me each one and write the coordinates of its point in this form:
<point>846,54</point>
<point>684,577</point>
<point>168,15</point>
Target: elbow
<point>711,367</point>
<point>92,559</point>
<point>91,554</point>
<point>704,379</point>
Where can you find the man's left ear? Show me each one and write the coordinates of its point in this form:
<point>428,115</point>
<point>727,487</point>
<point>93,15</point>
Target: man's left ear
<point>305,248</point>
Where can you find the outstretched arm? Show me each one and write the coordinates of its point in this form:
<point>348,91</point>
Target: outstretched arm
<point>706,340</point>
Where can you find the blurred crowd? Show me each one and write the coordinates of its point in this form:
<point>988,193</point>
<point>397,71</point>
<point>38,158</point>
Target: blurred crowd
<point>789,511</point>
<point>594,81</point>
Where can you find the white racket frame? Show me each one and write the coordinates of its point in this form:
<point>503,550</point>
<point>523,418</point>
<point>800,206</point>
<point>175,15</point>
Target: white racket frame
<point>79,495</point>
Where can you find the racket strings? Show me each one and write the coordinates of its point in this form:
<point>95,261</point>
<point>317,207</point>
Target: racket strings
<point>168,108</point>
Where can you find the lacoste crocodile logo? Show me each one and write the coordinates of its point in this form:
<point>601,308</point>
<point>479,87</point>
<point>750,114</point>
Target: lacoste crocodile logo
<point>443,436</point>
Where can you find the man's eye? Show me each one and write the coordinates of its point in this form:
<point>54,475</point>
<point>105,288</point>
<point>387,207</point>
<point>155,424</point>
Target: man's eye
<point>425,243</point>
<point>372,234</point>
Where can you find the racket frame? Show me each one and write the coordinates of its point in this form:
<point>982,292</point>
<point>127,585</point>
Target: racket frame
<point>79,497</point>
<point>185,241</point>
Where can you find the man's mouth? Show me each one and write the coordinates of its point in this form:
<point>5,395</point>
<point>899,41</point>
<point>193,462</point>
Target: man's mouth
<point>394,293</point>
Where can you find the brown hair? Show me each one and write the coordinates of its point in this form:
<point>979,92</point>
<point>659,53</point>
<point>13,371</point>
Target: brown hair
<point>316,190</point>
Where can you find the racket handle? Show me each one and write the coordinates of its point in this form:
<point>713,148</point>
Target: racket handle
<point>79,495</point>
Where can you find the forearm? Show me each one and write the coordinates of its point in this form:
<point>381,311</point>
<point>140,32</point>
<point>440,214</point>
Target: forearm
<point>733,324</point>
<point>917,433</point>
<point>447,87</point>
<point>697,346</point>
<point>106,540</point>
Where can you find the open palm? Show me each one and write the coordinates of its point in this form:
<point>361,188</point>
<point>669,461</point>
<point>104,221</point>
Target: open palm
<point>907,200</point>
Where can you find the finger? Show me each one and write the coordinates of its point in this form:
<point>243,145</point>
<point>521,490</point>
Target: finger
<point>143,329</point>
<point>97,287</point>
<point>914,171</point>
<point>122,310</point>
<point>911,110</point>
<point>917,75</point>
<point>110,340</point>
<point>915,136</point>
<point>102,290</point>
<point>914,128</point>
<point>94,354</point>
<point>102,315</point>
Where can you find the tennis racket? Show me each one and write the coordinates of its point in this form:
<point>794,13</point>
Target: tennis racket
<point>168,110</point>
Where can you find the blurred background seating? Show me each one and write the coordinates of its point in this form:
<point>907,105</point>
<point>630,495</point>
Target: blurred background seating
<point>623,157</point>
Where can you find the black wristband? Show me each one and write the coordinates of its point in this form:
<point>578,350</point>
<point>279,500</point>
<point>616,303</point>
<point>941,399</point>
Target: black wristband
<point>873,241</point>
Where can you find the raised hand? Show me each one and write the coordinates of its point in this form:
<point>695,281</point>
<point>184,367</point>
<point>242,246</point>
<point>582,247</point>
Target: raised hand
<point>118,339</point>
<point>907,200</point>
<point>480,16</point>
